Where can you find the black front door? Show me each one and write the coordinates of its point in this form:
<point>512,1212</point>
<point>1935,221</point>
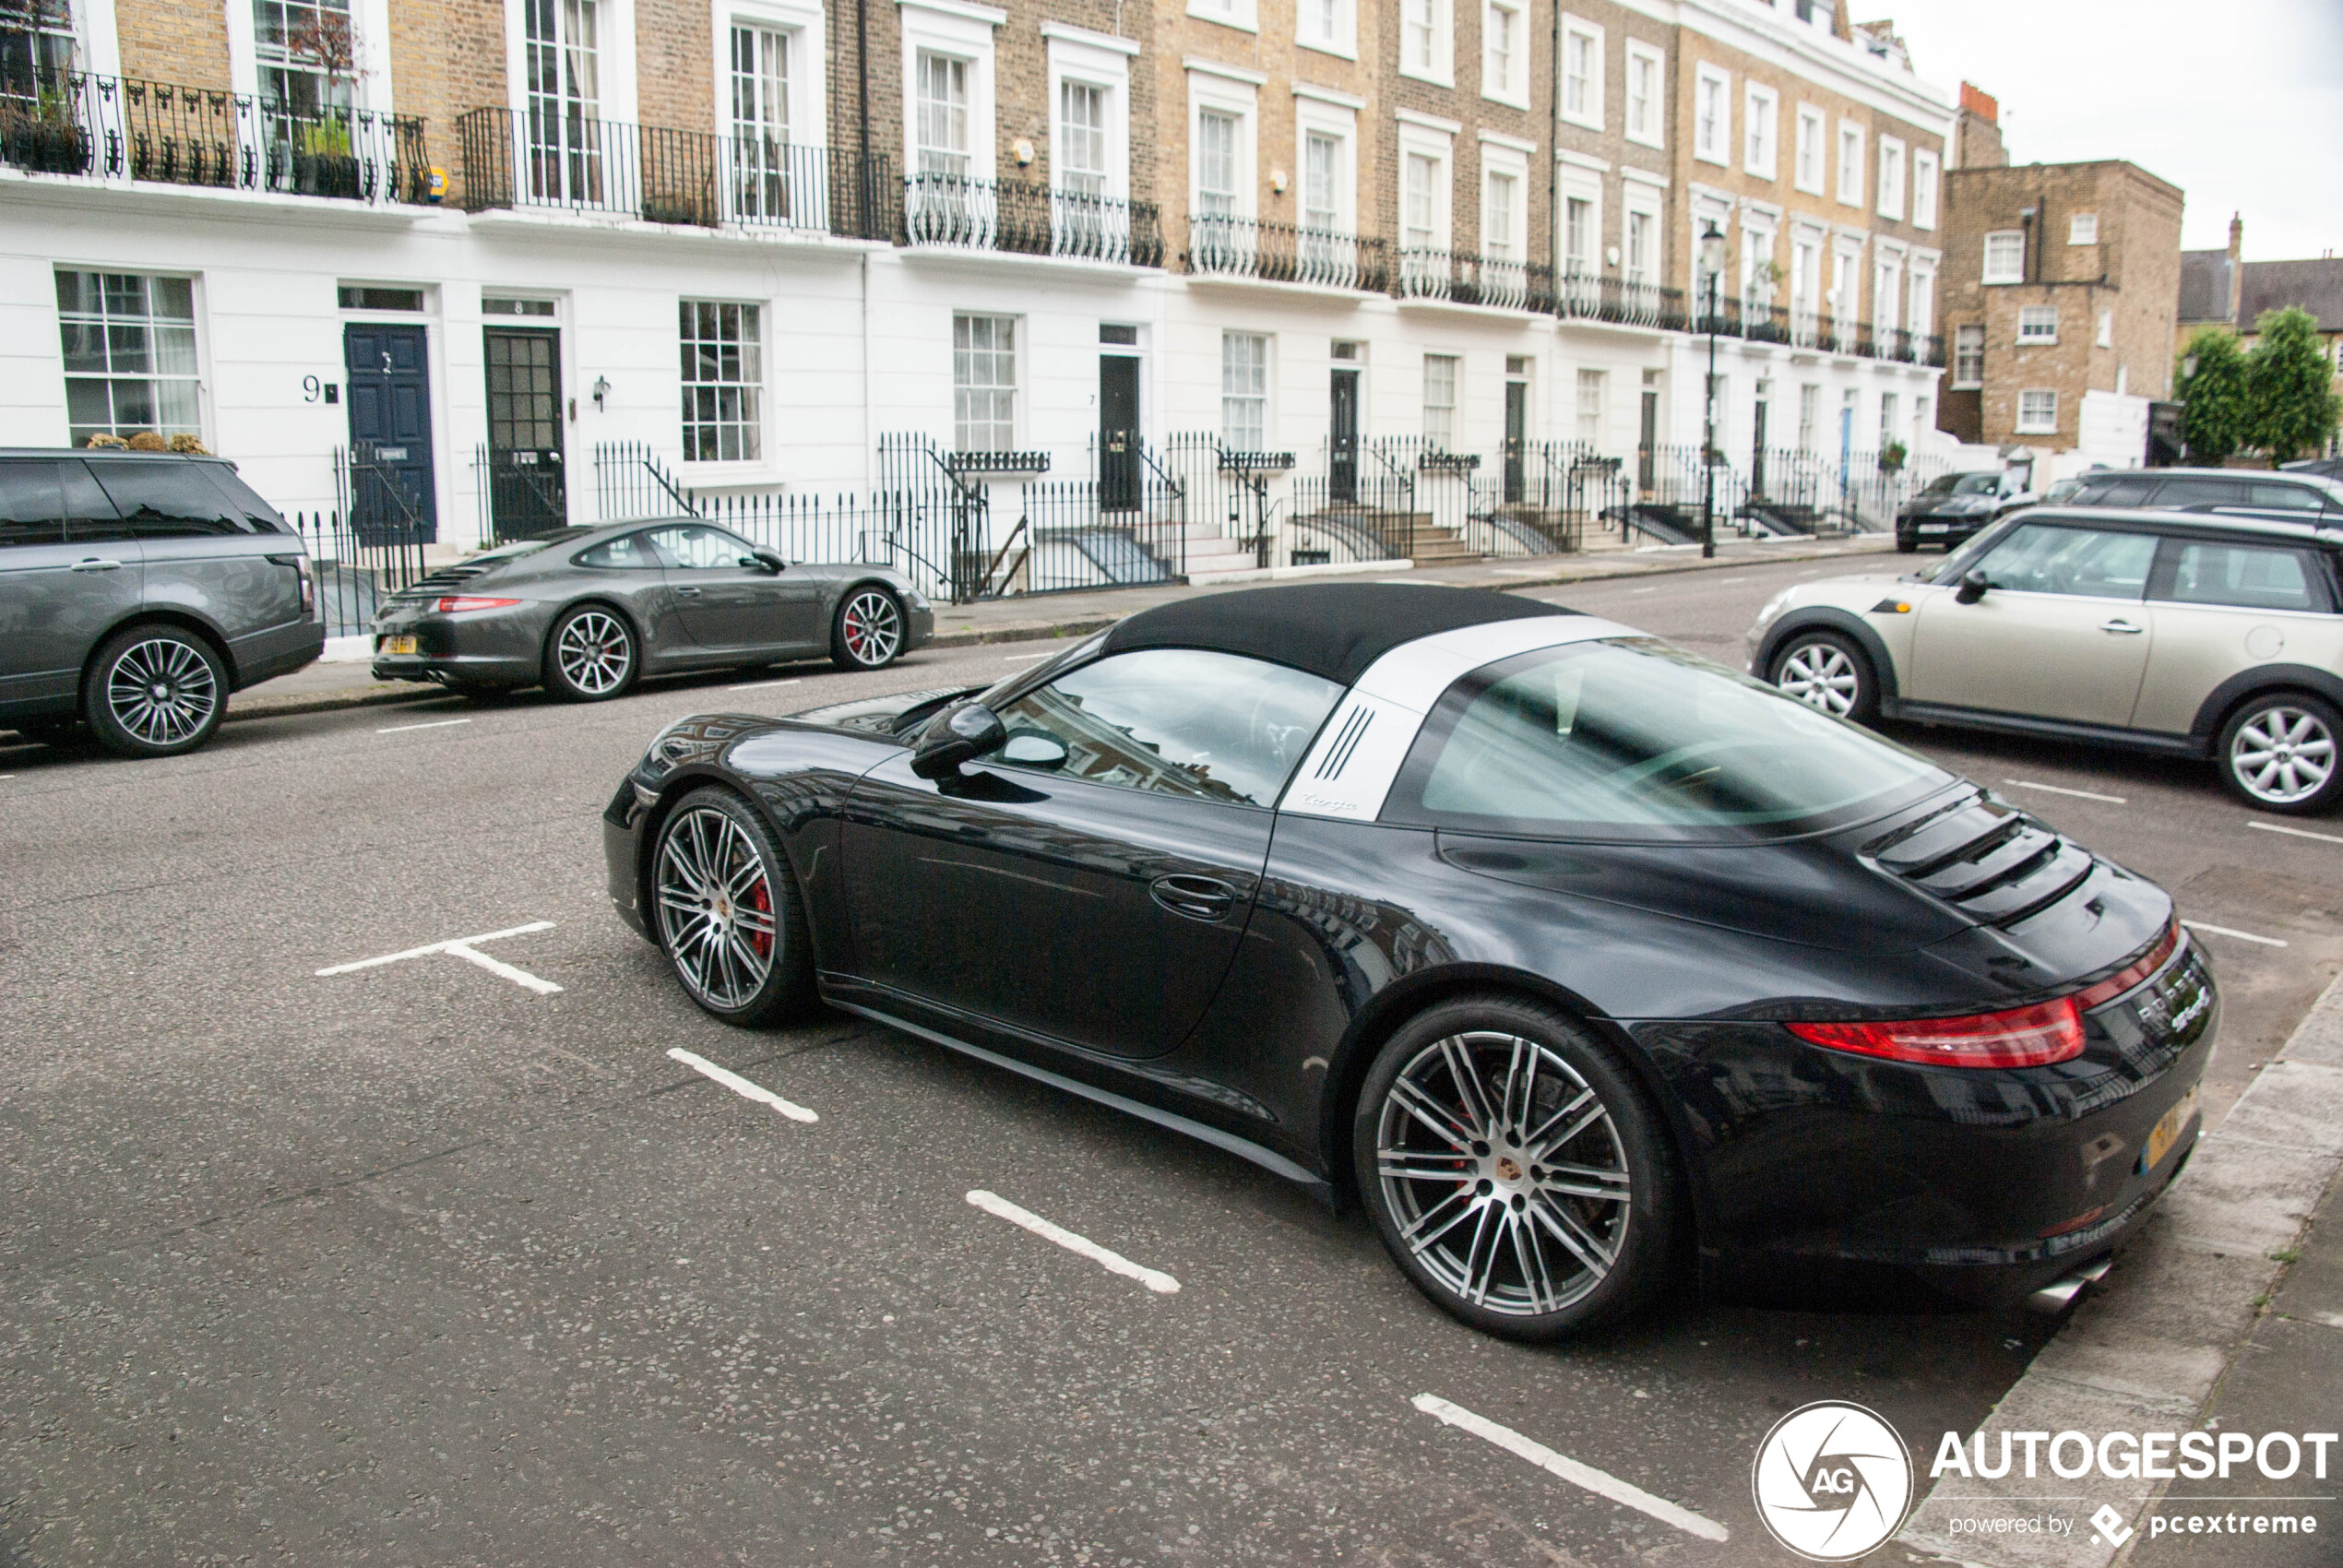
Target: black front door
<point>393,494</point>
<point>1757,453</point>
<point>527,494</point>
<point>1342,436</point>
<point>1118,432</point>
<point>1647,449</point>
<point>1517,437</point>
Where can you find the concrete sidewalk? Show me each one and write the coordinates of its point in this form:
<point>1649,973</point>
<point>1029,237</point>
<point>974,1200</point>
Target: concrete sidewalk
<point>326,686</point>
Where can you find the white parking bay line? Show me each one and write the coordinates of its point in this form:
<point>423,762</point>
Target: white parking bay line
<point>2240,935</point>
<point>435,724</point>
<point>466,948</point>
<point>765,685</point>
<point>740,1086</point>
<point>1642,590</point>
<point>2062,790</point>
<point>1154,1280</point>
<point>1571,1470</point>
<point>2296,832</point>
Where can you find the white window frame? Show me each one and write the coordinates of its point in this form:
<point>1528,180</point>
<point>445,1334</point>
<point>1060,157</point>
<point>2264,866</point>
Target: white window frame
<point>102,323</point>
<point>1810,159</point>
<point>1886,291</point>
<point>1452,408</point>
<point>1020,348</point>
<point>1342,41</point>
<point>1891,177</point>
<point>1574,183</point>
<point>1925,188</point>
<point>809,108</point>
<point>1265,396</point>
<point>1242,15</point>
<point>1845,293</point>
<point>2038,424</point>
<point>1241,101</point>
<point>1638,199</point>
<point>1588,422</point>
<point>2106,338</point>
<point>2082,229</point>
<point>1441,68</point>
<point>1513,87</point>
<point>1968,339</point>
<point>1919,298</point>
<point>963,31</point>
<point>1589,114</point>
<point>1714,145</point>
<point>1101,61</point>
<point>1987,272</point>
<point>1757,244</point>
<point>1761,131</point>
<point>1514,164</point>
<point>1425,142</point>
<point>97,47</point>
<point>1850,169</point>
<point>1651,131</point>
<point>1313,115</point>
<point>750,344</point>
<point>2036,326</point>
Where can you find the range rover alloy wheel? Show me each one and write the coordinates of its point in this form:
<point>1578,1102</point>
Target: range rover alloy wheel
<point>154,690</point>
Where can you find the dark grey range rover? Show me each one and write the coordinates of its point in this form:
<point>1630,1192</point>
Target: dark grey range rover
<point>138,589</point>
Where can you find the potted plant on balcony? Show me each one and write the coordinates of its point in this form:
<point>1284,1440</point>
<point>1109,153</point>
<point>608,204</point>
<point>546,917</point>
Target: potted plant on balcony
<point>1891,457</point>
<point>39,131</point>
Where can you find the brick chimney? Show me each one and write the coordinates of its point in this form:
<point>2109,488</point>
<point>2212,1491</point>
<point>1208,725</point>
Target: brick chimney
<point>2237,263</point>
<point>1977,131</point>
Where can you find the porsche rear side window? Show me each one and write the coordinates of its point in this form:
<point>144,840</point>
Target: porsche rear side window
<point>1633,738</point>
<point>628,552</point>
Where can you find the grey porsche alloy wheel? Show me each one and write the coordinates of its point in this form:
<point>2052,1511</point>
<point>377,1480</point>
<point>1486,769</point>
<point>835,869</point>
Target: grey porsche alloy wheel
<point>1514,1170</point>
<point>591,654</point>
<point>1827,671</point>
<point>869,633</point>
<point>154,690</point>
<point>728,910</point>
<point>2279,752</point>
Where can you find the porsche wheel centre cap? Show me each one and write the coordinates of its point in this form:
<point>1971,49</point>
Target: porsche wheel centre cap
<point>1508,1168</point>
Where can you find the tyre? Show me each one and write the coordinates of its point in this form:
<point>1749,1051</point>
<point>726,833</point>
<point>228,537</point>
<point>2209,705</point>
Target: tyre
<point>1828,671</point>
<point>591,656</point>
<point>154,690</point>
<point>2277,753</point>
<point>1907,544</point>
<point>1515,1171</point>
<point>728,912</point>
<point>868,633</point>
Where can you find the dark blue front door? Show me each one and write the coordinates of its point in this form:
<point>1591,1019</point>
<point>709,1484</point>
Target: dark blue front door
<point>392,491</point>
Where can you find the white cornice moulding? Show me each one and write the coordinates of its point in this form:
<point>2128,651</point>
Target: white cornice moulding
<point>1429,122</point>
<point>1931,257</point>
<point>1576,159</point>
<point>1846,238</point>
<point>1084,35</point>
<point>1642,176</point>
<point>1498,139</point>
<point>1203,67</point>
<point>1769,210</point>
<point>967,10</point>
<point>1328,95</point>
<point>1893,249</point>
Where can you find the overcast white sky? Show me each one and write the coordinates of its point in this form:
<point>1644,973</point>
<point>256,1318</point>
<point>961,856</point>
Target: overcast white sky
<point>2239,102</point>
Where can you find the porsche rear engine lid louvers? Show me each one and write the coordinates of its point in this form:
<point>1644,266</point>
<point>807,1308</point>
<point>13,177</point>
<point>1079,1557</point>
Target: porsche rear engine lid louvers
<point>1985,858</point>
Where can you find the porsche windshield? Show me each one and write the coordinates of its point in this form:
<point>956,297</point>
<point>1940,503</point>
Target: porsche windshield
<point>1631,737</point>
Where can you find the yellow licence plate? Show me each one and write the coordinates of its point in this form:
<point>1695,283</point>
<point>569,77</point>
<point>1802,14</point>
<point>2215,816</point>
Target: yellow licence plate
<point>396,644</point>
<point>2167,1131</point>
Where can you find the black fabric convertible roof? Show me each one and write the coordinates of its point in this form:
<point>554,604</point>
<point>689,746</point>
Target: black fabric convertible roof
<point>1330,629</point>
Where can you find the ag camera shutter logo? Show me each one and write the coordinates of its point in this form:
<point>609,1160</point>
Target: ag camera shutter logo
<point>1832,1481</point>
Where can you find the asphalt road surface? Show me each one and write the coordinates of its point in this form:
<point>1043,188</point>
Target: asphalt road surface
<point>424,1263</point>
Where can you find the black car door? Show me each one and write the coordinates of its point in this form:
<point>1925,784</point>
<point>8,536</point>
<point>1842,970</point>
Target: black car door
<point>1091,882</point>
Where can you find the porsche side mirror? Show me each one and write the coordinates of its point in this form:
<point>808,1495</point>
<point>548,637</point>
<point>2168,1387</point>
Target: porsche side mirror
<point>960,735</point>
<point>1972,586</point>
<point>769,560</point>
<point>1034,748</point>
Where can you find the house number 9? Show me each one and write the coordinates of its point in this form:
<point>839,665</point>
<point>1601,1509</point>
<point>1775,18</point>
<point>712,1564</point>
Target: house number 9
<point>311,389</point>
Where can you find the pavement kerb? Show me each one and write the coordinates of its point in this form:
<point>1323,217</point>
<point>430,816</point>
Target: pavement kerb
<point>2147,1347</point>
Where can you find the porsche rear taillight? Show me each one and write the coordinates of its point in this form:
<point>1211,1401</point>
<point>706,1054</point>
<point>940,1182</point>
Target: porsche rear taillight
<point>2020,1037</point>
<point>463,604</point>
<point>2131,974</point>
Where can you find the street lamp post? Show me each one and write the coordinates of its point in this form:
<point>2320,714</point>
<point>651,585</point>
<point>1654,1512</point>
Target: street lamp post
<point>1712,259</point>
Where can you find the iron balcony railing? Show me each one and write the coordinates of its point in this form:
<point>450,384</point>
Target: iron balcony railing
<point>1026,217</point>
<point>1462,278</point>
<point>663,175</point>
<point>72,123</point>
<point>1225,246</point>
<point>1589,296</point>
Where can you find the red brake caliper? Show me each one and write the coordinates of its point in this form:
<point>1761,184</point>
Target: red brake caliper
<point>762,901</point>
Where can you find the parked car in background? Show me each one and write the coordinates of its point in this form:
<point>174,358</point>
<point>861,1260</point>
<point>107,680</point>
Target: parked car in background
<point>2197,634</point>
<point>1953,508</point>
<point>2299,496</point>
<point>137,591</point>
<point>586,611</point>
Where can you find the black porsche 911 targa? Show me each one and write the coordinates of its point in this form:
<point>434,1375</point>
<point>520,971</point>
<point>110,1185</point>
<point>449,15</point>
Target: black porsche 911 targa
<point>1569,954</point>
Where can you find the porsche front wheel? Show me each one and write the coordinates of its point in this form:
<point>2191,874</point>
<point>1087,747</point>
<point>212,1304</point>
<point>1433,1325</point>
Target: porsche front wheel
<point>728,911</point>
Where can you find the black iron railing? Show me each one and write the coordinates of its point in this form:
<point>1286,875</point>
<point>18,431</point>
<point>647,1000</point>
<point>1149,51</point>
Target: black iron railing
<point>663,175</point>
<point>1025,218</point>
<point>1224,245</point>
<point>1588,296</point>
<point>1461,277</point>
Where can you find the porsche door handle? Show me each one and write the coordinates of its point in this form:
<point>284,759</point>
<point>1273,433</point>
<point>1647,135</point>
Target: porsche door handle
<point>1195,898</point>
<point>2122,628</point>
<point>96,564</point>
<point>687,593</point>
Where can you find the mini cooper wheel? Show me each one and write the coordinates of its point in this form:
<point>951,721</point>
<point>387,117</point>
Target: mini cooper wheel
<point>1514,1170</point>
<point>1825,670</point>
<point>869,630</point>
<point>728,912</point>
<point>2278,752</point>
<point>591,656</point>
<point>154,690</point>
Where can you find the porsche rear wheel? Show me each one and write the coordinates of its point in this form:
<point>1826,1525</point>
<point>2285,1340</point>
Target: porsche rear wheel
<point>869,630</point>
<point>591,656</point>
<point>1516,1172</point>
<point>728,912</point>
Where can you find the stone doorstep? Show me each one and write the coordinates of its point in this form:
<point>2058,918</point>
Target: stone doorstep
<point>2147,1348</point>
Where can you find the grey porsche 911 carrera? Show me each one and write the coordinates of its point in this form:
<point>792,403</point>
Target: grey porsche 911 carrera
<point>586,611</point>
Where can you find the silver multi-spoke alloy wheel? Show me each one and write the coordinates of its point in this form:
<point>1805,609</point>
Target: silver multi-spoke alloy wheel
<point>2282,755</point>
<point>716,908</point>
<point>162,692</point>
<point>870,624</point>
<point>1821,675</point>
<point>595,652</point>
<point>1504,1173</point>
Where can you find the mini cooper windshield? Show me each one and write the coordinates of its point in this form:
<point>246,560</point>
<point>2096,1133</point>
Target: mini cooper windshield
<point>1629,737</point>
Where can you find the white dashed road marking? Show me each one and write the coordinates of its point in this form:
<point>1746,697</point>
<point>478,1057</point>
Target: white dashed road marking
<point>1571,1470</point>
<point>466,948</point>
<point>435,724</point>
<point>2296,832</point>
<point>2062,790</point>
<point>740,1086</point>
<point>2240,935</point>
<point>1642,590</point>
<point>763,685</point>
<point>1156,1281</point>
